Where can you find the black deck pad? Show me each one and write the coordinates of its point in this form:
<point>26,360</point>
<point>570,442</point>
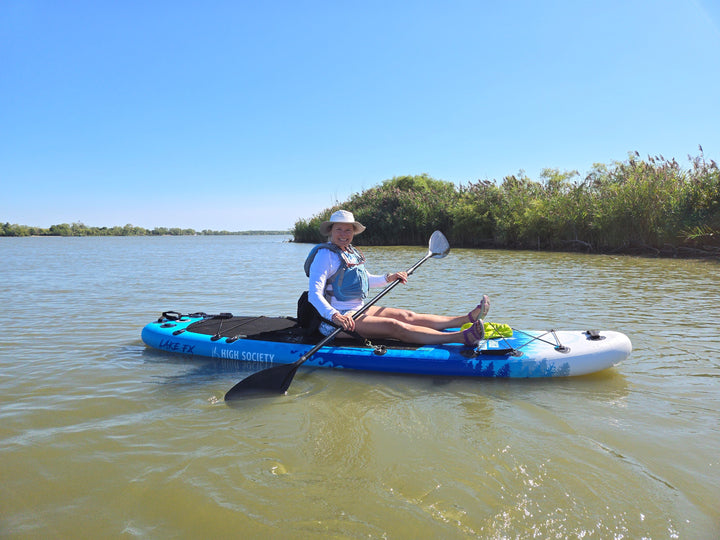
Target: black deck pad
<point>284,329</point>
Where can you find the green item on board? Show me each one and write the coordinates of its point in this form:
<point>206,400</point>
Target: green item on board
<point>493,330</point>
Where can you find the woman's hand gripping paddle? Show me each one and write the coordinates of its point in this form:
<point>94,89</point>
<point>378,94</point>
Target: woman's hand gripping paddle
<point>277,379</point>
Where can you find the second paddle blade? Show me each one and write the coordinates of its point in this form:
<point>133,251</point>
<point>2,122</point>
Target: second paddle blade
<point>438,245</point>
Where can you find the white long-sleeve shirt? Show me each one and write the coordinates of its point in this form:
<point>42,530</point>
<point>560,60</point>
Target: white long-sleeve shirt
<point>325,264</point>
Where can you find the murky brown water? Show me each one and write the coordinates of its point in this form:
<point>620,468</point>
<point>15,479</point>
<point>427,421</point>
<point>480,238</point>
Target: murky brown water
<point>100,437</point>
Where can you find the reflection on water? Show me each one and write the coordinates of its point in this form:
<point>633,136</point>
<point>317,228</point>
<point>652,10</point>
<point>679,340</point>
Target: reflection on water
<point>101,437</point>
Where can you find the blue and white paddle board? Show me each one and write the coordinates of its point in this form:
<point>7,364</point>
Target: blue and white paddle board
<point>279,340</point>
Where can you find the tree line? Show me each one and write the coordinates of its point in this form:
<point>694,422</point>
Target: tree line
<point>80,229</point>
<point>640,206</point>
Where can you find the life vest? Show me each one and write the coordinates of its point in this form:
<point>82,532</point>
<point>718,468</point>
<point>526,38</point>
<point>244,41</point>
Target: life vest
<point>350,282</point>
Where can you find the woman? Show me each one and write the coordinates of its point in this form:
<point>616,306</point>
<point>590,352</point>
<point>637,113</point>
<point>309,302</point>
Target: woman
<point>339,284</point>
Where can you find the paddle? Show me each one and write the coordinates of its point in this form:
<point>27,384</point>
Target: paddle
<point>277,379</point>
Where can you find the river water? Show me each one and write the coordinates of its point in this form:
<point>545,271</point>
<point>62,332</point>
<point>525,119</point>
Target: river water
<point>101,437</point>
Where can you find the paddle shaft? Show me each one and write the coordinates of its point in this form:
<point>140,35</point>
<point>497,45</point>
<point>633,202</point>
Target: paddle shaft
<point>359,312</point>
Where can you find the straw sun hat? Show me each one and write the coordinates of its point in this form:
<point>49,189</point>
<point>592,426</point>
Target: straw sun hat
<point>341,216</point>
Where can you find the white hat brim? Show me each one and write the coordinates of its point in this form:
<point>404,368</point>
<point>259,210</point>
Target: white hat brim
<point>326,226</point>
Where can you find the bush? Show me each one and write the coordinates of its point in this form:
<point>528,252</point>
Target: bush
<point>651,204</point>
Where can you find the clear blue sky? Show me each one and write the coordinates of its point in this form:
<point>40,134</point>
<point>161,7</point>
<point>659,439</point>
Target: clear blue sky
<point>244,115</point>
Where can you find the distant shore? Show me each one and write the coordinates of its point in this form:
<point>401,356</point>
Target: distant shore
<point>80,229</point>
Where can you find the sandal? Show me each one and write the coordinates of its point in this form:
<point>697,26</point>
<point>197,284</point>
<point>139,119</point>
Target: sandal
<point>484,306</point>
<point>475,334</point>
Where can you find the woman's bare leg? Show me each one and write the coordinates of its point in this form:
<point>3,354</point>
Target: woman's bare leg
<point>386,327</point>
<point>435,322</point>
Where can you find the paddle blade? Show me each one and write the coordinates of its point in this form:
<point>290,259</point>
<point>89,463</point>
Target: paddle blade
<point>274,380</point>
<point>438,246</point>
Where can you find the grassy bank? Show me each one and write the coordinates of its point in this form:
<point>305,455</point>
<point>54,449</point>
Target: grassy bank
<point>643,206</point>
